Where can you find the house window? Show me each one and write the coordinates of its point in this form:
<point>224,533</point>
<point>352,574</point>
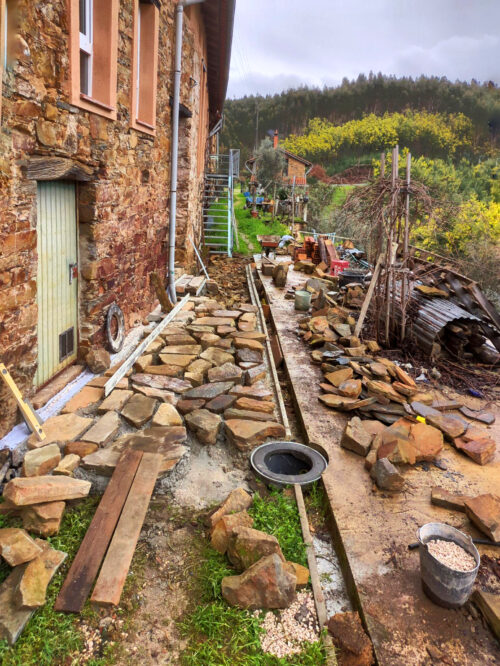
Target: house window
<point>86,47</point>
<point>93,55</point>
<point>144,65</point>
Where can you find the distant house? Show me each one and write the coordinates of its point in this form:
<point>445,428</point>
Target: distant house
<point>296,167</point>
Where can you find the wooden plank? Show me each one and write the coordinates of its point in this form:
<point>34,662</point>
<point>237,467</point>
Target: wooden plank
<point>27,411</point>
<point>368,297</point>
<point>490,607</point>
<point>83,571</point>
<point>57,168</point>
<point>109,586</point>
<point>165,302</point>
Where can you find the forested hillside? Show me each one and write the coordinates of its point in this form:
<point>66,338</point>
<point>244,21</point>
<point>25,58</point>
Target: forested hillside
<point>291,111</point>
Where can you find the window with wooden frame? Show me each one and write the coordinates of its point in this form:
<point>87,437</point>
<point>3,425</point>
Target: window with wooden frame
<point>93,55</point>
<point>144,65</point>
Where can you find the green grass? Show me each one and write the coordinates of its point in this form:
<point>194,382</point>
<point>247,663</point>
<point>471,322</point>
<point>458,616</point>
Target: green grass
<point>278,515</point>
<point>250,227</point>
<point>220,635</point>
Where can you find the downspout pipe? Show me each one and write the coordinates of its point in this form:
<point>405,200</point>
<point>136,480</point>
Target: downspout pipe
<point>179,20</point>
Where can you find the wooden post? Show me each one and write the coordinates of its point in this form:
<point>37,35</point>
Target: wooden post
<point>404,282</point>
<point>389,282</point>
<point>165,302</point>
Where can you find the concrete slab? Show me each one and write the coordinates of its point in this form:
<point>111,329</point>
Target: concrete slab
<point>373,530</point>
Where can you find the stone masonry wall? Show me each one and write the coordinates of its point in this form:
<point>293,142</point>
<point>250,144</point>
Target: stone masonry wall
<point>123,213</point>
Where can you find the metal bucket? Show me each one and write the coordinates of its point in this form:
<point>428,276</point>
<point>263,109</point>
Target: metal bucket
<point>302,300</point>
<point>443,585</point>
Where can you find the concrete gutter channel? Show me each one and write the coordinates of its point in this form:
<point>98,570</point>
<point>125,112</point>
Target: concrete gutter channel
<point>371,531</point>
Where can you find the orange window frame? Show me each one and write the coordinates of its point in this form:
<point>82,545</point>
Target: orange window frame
<point>102,99</point>
<point>144,67</point>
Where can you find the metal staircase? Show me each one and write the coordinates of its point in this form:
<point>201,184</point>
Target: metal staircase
<point>219,222</point>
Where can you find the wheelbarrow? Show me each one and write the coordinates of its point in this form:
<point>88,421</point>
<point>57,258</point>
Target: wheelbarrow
<point>268,243</point>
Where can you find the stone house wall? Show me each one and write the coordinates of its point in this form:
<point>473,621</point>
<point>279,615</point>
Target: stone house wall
<point>123,210</point>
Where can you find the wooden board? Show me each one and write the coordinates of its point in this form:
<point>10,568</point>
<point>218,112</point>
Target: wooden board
<point>109,586</point>
<point>83,571</point>
<point>490,607</point>
<point>165,303</point>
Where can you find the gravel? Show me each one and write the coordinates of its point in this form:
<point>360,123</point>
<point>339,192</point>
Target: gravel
<point>451,555</point>
<point>286,632</point>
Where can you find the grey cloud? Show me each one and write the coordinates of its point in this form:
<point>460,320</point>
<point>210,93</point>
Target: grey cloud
<point>278,43</point>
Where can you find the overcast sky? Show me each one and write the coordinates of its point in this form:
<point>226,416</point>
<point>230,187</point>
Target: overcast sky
<point>279,44</point>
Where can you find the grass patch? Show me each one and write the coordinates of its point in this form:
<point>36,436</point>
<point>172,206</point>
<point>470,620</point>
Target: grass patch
<point>220,635</point>
<point>250,227</point>
<point>278,515</point>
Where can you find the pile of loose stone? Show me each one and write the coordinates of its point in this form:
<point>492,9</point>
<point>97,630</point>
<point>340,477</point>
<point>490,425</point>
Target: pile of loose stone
<point>267,579</point>
<point>396,421</point>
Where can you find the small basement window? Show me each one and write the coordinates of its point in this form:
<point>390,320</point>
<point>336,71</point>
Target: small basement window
<point>145,65</point>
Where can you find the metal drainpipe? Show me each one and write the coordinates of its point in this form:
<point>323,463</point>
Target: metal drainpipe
<point>179,16</point>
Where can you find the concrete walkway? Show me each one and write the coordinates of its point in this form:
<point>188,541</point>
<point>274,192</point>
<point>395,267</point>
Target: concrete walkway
<point>373,530</point>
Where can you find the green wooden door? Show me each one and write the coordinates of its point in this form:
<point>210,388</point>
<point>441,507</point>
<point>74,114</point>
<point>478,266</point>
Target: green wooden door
<point>57,283</point>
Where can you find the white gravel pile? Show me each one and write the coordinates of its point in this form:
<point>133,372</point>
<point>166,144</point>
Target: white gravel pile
<point>286,632</point>
<point>451,555</point>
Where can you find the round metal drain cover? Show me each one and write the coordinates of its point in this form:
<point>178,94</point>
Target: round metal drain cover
<point>282,464</point>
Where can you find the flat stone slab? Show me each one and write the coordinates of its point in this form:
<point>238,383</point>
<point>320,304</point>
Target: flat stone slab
<point>62,428</point>
<point>139,409</point>
<point>227,314</point>
<point>215,321</point>
<point>246,435</point>
<point>158,394</point>
<point>205,425</point>
<point>89,395</point>
<point>14,618</point>
<point>37,489</point>
<point>31,591</point>
<point>80,449</point>
<point>248,356</point>
<point>164,370</point>
<point>484,417</point>
<point>255,374</point>
<point>247,415</point>
<point>484,511</point>
<point>104,430</point>
<point>41,461</point>
<point>447,500</point>
<point>182,360</point>
<point>186,406</point>
<point>249,335</point>
<point>208,391</point>
<point>159,382</point>
<point>167,442</point>
<point>115,401</point>
<point>101,382</point>
<point>257,392</point>
<point>248,343</point>
<point>167,415</point>
<point>183,350</point>
<point>17,547</point>
<point>217,356</point>
<point>227,372</point>
<point>253,405</point>
<point>220,403</point>
<point>178,339</point>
